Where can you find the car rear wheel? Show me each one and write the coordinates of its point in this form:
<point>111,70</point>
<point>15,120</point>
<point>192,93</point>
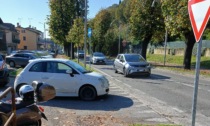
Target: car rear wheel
<point>87,93</point>
<point>12,64</point>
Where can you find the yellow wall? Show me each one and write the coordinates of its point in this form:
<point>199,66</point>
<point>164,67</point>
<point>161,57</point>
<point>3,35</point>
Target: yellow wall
<point>31,39</point>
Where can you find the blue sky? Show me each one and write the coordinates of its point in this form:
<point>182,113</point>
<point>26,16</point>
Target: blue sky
<point>34,12</point>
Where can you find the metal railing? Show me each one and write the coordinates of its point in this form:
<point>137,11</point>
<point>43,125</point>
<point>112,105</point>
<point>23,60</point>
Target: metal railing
<point>12,117</point>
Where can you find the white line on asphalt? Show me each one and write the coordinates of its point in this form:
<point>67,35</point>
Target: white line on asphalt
<point>118,80</point>
<point>180,111</point>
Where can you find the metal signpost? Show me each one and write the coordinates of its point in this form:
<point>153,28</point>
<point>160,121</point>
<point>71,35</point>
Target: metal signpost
<point>89,36</point>
<point>199,12</point>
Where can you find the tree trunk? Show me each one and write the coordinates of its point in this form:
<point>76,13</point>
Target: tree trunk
<point>190,41</point>
<point>144,45</point>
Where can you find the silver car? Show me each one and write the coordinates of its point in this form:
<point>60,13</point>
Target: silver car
<point>98,58</point>
<point>131,64</point>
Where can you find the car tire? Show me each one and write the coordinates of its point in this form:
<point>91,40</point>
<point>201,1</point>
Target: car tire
<point>87,93</point>
<point>12,64</point>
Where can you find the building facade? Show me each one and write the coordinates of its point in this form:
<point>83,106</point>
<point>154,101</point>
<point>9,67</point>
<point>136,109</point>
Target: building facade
<point>9,37</point>
<point>29,38</point>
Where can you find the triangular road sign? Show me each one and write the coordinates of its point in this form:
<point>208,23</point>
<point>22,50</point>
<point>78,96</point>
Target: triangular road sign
<point>199,11</point>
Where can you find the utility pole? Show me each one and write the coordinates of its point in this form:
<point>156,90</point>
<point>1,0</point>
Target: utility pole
<point>85,31</point>
<point>44,35</point>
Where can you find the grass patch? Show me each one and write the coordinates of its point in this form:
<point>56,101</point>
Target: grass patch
<point>15,72</point>
<point>178,60</point>
<point>175,63</point>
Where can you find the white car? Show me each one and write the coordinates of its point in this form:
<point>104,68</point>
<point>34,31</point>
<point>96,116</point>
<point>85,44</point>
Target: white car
<point>68,78</point>
<point>98,58</point>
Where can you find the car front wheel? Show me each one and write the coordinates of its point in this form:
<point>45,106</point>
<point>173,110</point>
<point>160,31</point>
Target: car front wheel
<point>87,93</point>
<point>12,64</point>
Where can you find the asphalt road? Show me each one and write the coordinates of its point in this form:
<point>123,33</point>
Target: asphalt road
<point>166,92</point>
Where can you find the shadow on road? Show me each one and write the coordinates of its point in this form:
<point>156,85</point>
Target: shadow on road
<point>105,103</point>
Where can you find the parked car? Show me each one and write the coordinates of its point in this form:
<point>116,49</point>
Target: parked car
<point>68,78</point>
<point>80,54</point>
<point>4,72</point>
<point>131,64</point>
<point>98,58</point>
<point>20,59</point>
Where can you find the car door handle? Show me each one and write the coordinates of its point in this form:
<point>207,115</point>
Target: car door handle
<point>45,77</point>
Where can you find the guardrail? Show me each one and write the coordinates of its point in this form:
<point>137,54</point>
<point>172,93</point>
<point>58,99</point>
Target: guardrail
<point>12,116</point>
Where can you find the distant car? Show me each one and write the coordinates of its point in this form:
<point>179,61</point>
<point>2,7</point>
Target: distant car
<point>4,72</point>
<point>98,58</point>
<point>80,54</point>
<point>68,78</point>
<point>131,64</point>
<point>20,59</point>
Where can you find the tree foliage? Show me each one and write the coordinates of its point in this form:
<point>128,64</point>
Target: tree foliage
<point>146,23</point>
<point>178,23</point>
<point>76,33</point>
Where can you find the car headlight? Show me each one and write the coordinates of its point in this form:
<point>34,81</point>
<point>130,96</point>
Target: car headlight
<point>104,82</point>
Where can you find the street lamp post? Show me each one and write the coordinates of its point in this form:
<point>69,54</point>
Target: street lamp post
<point>44,35</point>
<point>119,40</point>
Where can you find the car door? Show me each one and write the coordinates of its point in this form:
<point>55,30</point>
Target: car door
<point>56,75</point>
<point>117,62</point>
<point>121,63</point>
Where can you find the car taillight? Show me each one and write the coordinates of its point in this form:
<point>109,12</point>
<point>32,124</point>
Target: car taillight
<point>41,108</point>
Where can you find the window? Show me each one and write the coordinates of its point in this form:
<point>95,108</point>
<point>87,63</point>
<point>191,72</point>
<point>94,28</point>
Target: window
<point>23,31</point>
<point>25,47</point>
<point>24,38</point>
<point>38,67</point>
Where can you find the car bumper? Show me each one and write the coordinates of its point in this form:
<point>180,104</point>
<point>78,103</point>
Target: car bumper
<point>103,91</point>
<point>99,61</point>
<point>144,71</point>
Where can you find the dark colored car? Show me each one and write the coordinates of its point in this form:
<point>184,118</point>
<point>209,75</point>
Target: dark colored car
<point>131,64</point>
<point>4,72</point>
<point>19,59</point>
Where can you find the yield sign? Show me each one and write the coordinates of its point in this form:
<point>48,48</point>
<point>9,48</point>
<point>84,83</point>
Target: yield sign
<point>199,11</point>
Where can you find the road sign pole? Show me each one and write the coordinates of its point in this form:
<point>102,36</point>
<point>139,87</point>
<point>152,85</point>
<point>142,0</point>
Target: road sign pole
<point>196,82</point>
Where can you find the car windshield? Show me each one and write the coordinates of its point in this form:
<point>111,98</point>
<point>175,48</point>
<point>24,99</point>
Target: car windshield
<point>78,67</point>
<point>80,51</point>
<point>134,58</point>
<point>98,54</point>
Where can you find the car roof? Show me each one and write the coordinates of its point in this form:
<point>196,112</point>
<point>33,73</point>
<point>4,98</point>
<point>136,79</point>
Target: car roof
<point>49,59</point>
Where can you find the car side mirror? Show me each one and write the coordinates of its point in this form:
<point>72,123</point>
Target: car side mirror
<point>69,71</point>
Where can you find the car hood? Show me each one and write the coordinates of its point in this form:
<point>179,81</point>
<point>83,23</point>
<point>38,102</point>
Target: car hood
<point>94,74</point>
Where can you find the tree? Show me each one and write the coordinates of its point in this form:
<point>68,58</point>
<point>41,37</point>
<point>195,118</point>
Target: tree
<point>101,25</point>
<point>178,23</point>
<point>146,22</point>
<point>63,13</point>
<point>76,33</point>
